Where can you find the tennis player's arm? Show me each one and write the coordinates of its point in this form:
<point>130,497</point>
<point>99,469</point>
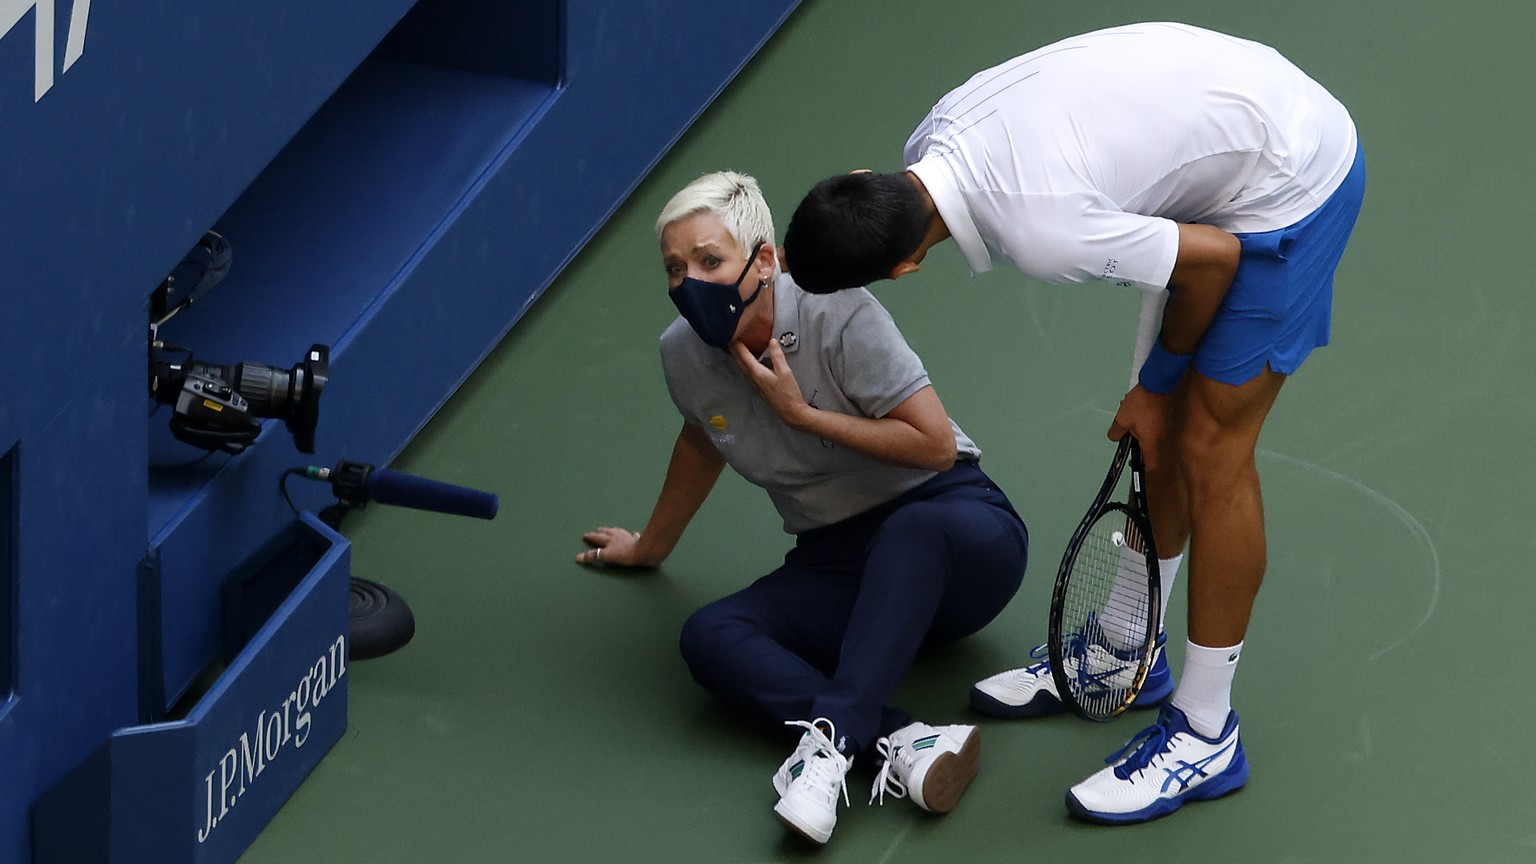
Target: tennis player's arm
<point>1202,275</point>
<point>691,474</point>
<point>915,434</point>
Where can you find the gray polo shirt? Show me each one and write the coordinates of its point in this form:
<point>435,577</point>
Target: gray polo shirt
<point>848,357</point>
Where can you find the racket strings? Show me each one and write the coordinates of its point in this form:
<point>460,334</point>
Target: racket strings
<point>1105,615</point>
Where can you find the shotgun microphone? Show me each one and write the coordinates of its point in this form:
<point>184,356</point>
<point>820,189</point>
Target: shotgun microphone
<point>357,483</point>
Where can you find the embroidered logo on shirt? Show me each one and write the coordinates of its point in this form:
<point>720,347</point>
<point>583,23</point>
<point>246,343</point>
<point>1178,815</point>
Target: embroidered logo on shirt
<point>717,421</point>
<point>788,339</point>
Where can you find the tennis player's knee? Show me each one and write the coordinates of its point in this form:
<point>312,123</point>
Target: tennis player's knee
<point>1213,457</point>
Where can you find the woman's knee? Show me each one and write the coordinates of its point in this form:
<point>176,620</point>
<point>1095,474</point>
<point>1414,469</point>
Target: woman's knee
<point>701,637</point>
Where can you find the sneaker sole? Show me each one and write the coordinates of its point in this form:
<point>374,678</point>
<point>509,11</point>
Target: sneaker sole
<point>1043,705</point>
<point>790,820</point>
<point>1220,786</point>
<point>950,774</point>
<point>1046,705</point>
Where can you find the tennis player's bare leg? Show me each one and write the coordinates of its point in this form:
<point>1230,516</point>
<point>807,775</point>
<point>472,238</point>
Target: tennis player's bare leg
<point>1168,506</point>
<point>1217,432</point>
<point>1217,436</point>
<point>1167,501</point>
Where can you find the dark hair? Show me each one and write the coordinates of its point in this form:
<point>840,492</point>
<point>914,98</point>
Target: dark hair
<point>853,229</point>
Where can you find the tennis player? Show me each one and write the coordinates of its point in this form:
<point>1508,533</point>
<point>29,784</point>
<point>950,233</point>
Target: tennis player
<point>1165,158</point>
<point>900,538</point>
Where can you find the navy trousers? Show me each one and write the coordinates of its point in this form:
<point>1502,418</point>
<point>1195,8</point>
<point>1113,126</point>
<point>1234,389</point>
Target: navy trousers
<point>833,631</point>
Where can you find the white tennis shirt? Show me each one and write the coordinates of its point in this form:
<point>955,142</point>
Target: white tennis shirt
<point>1074,161</point>
<point>848,356</point>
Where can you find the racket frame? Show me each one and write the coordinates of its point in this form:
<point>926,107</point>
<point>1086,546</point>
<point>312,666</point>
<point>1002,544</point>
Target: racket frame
<point>1127,454</point>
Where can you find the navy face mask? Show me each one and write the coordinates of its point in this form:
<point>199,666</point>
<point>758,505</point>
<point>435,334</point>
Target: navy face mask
<point>714,308</point>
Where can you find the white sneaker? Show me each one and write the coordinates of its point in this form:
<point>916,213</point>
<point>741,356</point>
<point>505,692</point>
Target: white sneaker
<point>932,764</point>
<point>809,782</point>
<point>1031,691</point>
<point>1019,693</point>
<point>1165,765</point>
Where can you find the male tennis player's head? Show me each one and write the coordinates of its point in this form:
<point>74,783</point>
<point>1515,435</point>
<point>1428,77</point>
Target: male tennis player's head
<point>856,229</point>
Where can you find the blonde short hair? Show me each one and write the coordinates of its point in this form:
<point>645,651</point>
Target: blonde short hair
<point>735,198</point>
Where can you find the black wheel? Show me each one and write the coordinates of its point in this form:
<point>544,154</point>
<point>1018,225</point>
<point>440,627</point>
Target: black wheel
<point>381,621</point>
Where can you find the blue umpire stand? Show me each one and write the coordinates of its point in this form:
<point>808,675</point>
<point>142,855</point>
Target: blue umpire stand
<point>398,181</point>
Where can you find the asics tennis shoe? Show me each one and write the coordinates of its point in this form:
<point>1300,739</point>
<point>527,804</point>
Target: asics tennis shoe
<point>1031,691</point>
<point>1158,770</point>
<point>932,765</point>
<point>810,781</point>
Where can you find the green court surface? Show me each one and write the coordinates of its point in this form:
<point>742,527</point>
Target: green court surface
<point>543,714</point>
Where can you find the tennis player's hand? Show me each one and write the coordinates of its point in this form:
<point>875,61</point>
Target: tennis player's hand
<point>613,547</point>
<point>777,386</point>
<point>1144,414</point>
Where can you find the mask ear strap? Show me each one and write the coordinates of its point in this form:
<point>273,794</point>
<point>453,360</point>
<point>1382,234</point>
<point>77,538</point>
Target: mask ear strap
<point>761,284</point>
<point>751,259</point>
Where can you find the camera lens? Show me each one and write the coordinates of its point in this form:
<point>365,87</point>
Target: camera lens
<point>267,388</point>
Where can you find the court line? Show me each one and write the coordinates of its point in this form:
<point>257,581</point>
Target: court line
<point>1402,514</point>
<point>1365,737</point>
<point>1032,306</point>
<point>891,850</point>
<point>1408,519</point>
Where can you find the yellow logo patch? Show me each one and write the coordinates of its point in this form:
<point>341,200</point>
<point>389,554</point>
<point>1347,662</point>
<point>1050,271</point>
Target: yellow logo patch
<point>717,421</point>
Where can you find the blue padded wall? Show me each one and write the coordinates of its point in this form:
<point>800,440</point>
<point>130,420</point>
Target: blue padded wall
<point>400,193</point>
<point>109,175</point>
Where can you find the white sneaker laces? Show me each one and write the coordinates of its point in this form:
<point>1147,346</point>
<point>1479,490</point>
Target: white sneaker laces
<point>819,771</point>
<point>885,779</point>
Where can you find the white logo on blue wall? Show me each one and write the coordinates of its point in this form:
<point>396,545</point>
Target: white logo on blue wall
<point>11,13</point>
<point>282,727</point>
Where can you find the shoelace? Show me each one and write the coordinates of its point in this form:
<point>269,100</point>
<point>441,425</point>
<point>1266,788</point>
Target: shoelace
<point>1142,747</point>
<point>885,780</point>
<point>1042,654</point>
<point>817,771</point>
<point>1075,658</point>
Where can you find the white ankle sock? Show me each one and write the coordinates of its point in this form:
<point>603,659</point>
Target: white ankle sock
<point>1204,693</point>
<point>1130,592</point>
<point>1168,570</point>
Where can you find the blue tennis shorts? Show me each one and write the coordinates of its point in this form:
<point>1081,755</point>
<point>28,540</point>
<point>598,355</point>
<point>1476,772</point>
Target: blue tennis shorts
<point>1280,305</point>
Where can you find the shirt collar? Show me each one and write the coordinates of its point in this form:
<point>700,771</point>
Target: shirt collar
<point>939,179</point>
<point>786,313</point>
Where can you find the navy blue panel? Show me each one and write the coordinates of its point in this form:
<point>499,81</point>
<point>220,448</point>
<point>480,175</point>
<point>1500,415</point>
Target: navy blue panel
<point>7,575</point>
<point>350,204</point>
<point>197,790</point>
<point>108,178</point>
<point>78,537</point>
<point>518,40</point>
<point>317,240</point>
<point>409,226</point>
<point>170,111</point>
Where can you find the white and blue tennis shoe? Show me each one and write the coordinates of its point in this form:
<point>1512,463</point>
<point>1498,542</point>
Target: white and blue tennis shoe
<point>1162,767</point>
<point>1030,691</point>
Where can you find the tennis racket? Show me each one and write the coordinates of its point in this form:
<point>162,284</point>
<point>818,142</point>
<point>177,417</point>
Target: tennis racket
<point>1105,611</point>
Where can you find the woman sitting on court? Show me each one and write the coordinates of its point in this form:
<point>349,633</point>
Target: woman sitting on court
<point>900,539</point>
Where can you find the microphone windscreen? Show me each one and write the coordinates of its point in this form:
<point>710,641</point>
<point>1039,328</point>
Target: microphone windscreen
<point>406,490</point>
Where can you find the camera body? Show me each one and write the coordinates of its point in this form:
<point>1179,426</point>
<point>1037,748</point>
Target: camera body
<point>218,407</point>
